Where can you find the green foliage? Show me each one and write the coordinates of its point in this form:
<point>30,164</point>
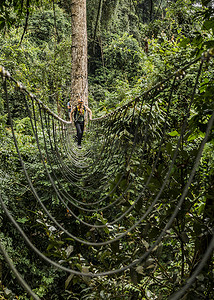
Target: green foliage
<point>24,126</point>
<point>124,54</point>
<point>41,64</point>
<point>43,28</point>
<point>3,120</point>
<point>13,12</point>
<point>120,69</point>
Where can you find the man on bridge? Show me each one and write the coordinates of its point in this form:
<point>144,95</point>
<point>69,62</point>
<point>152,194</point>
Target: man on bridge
<point>79,118</point>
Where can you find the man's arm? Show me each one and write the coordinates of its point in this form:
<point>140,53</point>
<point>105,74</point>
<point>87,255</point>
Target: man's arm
<point>90,112</point>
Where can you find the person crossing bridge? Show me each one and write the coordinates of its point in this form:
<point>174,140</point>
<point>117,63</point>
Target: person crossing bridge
<point>78,113</point>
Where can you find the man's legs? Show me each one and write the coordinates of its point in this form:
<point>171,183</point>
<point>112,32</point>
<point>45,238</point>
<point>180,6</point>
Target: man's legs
<point>80,128</point>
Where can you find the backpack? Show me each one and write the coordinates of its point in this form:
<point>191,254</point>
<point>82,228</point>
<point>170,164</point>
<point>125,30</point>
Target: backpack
<point>77,115</point>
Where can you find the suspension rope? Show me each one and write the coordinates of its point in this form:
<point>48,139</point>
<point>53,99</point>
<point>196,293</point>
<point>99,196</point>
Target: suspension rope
<point>131,228</point>
<point>17,274</point>
<point>89,168</point>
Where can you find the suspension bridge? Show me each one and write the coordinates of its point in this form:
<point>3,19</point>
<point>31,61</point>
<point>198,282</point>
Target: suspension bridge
<point>111,172</point>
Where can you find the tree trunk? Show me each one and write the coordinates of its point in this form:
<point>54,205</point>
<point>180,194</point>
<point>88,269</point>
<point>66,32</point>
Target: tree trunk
<point>79,73</point>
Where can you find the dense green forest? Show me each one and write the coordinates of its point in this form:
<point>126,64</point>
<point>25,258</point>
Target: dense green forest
<point>133,46</point>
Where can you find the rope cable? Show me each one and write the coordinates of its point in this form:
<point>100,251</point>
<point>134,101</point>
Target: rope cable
<point>59,143</point>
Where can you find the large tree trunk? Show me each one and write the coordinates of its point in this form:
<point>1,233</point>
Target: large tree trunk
<point>79,74</point>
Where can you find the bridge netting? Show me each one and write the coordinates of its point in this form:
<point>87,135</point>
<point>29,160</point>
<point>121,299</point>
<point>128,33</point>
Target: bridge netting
<point>121,181</point>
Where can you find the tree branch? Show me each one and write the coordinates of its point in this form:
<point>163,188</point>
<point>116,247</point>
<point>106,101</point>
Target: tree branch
<point>26,21</point>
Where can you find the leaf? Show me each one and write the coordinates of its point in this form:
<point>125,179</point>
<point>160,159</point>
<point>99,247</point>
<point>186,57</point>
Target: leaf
<point>139,269</point>
<point>148,294</point>
<point>68,280</point>
<point>184,42</point>
<point>69,250</point>
<point>149,263</point>
<point>208,24</point>
<point>173,133</point>
<point>52,229</point>
<point>87,279</point>
<point>22,220</point>
<point>145,244</point>
<point>200,277</point>
<point>79,266</point>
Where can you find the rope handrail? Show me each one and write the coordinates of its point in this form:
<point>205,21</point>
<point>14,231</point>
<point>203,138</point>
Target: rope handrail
<point>102,156</point>
<point>205,56</point>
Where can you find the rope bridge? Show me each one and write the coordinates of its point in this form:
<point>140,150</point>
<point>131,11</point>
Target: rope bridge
<point>111,187</point>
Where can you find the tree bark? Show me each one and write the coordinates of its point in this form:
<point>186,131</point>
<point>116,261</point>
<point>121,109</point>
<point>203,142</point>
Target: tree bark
<point>79,73</point>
